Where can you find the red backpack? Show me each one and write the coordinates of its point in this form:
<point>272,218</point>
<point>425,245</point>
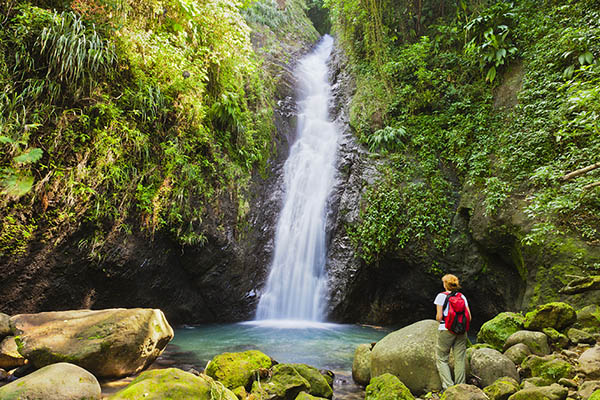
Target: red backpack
<point>458,318</point>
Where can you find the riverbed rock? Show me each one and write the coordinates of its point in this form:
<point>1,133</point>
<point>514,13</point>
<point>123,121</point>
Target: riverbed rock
<point>285,383</point>
<point>555,338</point>
<point>108,343</point>
<point>498,329</point>
<point>173,383</point>
<point>577,336</point>
<point>587,388</point>
<point>589,317</point>
<point>502,388</point>
<point>306,396</point>
<point>589,363</point>
<point>490,364</point>
<point>319,386</point>
<point>537,342</point>
<point>557,315</point>
<point>552,392</point>
<point>4,326</point>
<point>9,355</point>
<point>409,354</point>
<point>361,365</point>
<point>517,353</point>
<point>595,395</point>
<point>60,381</point>
<point>464,392</point>
<point>387,386</point>
<point>236,369</point>
<point>549,367</point>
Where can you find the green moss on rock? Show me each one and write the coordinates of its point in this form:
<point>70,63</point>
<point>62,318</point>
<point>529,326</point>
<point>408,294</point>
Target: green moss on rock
<point>495,331</point>
<point>557,315</point>
<point>306,396</point>
<point>318,384</point>
<point>236,369</point>
<point>284,383</point>
<point>595,395</point>
<point>387,387</point>
<point>502,388</point>
<point>556,338</point>
<point>589,317</point>
<point>550,367</point>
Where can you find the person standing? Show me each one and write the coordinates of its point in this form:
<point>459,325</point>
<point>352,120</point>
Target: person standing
<point>448,340</point>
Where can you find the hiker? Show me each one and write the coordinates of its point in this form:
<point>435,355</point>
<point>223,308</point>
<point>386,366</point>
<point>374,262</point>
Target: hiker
<point>454,316</point>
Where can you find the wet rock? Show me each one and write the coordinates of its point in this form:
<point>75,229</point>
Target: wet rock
<point>236,369</point>
<point>108,343</point>
<point>9,355</point>
<point>361,365</point>
<point>497,330</point>
<point>490,365</point>
<point>3,375</point>
<point>60,381</point>
<point>173,383</point>
<point>284,383</point>
<point>557,315</point>
<point>502,388</point>
<point>589,363</point>
<point>550,367</point>
<point>387,386</point>
<point>552,392</point>
<point>537,342</point>
<point>328,375</point>
<point>464,392</point>
<point>577,336</point>
<point>319,386</point>
<point>517,353</point>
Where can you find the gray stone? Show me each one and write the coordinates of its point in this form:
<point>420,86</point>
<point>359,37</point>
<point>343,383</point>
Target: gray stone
<point>464,392</point>
<point>589,363</point>
<point>490,364</point>
<point>577,336</point>
<point>587,388</point>
<point>552,392</point>
<point>502,388</point>
<point>4,326</point>
<point>536,341</point>
<point>517,353</point>
<point>589,317</point>
<point>361,365</point>
<point>61,381</point>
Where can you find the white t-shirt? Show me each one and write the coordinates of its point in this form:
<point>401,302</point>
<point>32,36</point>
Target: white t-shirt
<point>439,301</point>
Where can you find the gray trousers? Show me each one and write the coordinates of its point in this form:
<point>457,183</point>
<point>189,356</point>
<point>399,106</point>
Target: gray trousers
<point>458,343</point>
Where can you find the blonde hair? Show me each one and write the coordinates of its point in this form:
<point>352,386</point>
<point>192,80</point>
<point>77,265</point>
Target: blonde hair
<point>450,282</point>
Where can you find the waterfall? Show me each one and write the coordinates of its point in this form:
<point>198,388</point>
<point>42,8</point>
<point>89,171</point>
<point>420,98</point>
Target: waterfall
<point>296,284</point>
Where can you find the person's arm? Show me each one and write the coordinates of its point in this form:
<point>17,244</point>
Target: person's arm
<point>438,314</point>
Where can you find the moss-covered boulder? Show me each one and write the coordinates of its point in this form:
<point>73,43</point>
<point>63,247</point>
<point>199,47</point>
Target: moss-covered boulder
<point>557,315</point>
<point>537,342</point>
<point>108,343</point>
<point>387,387</point>
<point>306,396</point>
<point>498,329</point>
<point>60,381</point>
<point>236,369</point>
<point>595,395</point>
<point>517,353</point>
<point>285,383</point>
<point>589,363</point>
<point>589,318</point>
<point>502,388</point>
<point>9,356</point>
<point>4,326</point>
<point>361,365</point>
<point>550,367</point>
<point>464,392</point>
<point>577,336</point>
<point>555,338</point>
<point>175,384</point>
<point>535,381</point>
<point>552,392</point>
<point>318,384</point>
<point>490,364</point>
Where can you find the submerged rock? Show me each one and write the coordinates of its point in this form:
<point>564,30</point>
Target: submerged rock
<point>537,342</point>
<point>9,355</point>
<point>387,386</point>
<point>497,330</point>
<point>557,315</point>
<point>60,381</point>
<point>490,364</point>
<point>236,369</point>
<point>502,388</point>
<point>361,365</point>
<point>173,383</point>
<point>108,343</point>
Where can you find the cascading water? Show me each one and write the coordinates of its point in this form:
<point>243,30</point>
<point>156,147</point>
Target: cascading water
<point>296,284</point>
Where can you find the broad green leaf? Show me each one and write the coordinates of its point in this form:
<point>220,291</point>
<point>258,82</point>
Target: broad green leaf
<point>6,139</point>
<point>491,74</point>
<point>17,185</point>
<point>589,58</point>
<point>30,156</point>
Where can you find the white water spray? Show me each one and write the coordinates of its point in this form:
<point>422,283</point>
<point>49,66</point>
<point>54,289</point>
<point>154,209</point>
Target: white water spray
<point>297,281</point>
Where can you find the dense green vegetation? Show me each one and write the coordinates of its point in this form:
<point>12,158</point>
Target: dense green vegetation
<point>498,98</point>
<point>123,115</point>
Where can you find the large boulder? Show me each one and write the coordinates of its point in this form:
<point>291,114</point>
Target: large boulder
<point>517,353</point>
<point>490,364</point>
<point>361,365</point>
<point>557,315</point>
<point>173,383</point>
<point>4,326</point>
<point>552,392</point>
<point>589,363</point>
<point>386,387</point>
<point>464,392</point>
<point>108,343</point>
<point>589,317</point>
<point>236,369</point>
<point>409,354</point>
<point>502,389</point>
<point>285,383</point>
<point>319,386</point>
<point>498,329</point>
<point>551,368</point>
<point>537,342</point>
<point>9,355</point>
<point>60,381</point>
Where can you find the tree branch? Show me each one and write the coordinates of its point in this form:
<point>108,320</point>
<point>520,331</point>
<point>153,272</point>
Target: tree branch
<point>591,185</point>
<point>581,171</point>
<point>580,285</point>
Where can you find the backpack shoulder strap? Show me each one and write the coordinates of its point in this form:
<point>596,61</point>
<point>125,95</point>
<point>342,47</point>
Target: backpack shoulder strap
<point>448,295</point>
